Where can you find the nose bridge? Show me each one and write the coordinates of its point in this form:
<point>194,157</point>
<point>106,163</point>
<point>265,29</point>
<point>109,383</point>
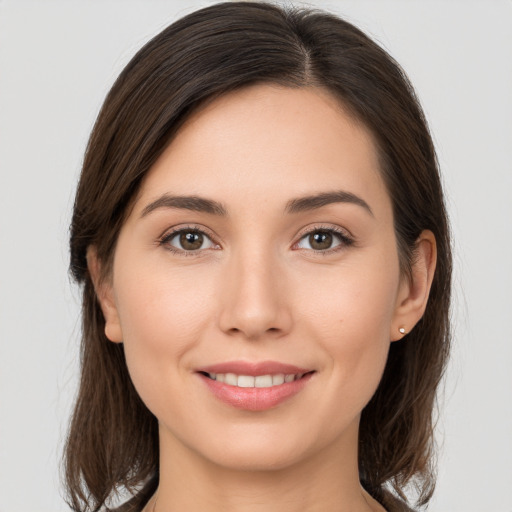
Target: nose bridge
<point>253,301</point>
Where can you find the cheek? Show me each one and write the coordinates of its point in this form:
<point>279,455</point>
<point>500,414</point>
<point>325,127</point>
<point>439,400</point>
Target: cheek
<point>162,316</point>
<point>355,300</point>
<point>350,319</point>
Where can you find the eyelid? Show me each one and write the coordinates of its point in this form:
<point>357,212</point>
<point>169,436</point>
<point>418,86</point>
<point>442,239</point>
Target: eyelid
<point>347,239</point>
<point>170,233</point>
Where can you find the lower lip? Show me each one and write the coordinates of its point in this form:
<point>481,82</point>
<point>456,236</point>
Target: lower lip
<point>255,399</point>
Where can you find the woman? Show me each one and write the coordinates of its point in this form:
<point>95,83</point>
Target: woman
<point>261,237</point>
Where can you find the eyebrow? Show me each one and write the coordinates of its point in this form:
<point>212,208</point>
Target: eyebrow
<point>298,205</point>
<point>194,203</point>
<point>321,199</point>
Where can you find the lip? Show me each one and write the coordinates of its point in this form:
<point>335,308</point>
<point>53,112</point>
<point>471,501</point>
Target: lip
<point>254,399</point>
<point>253,369</point>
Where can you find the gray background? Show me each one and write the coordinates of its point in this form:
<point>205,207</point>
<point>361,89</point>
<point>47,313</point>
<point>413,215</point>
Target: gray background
<point>58,60</point>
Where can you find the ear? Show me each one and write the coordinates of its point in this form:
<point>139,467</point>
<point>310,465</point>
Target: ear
<point>414,291</point>
<point>105,294</point>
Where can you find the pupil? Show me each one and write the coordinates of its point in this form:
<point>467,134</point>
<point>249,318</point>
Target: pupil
<point>320,240</point>
<point>191,241</point>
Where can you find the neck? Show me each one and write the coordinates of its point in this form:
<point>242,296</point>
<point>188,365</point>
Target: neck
<point>325,482</point>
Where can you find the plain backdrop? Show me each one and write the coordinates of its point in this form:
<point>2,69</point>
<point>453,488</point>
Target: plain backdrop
<point>57,62</point>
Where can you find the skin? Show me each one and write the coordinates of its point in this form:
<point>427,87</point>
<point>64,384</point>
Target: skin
<point>261,291</point>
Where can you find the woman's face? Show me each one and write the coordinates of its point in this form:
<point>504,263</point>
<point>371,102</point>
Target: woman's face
<point>261,249</point>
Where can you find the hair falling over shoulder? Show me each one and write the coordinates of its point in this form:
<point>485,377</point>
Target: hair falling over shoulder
<point>113,438</point>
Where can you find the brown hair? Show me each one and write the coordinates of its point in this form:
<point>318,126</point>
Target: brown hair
<point>113,438</point>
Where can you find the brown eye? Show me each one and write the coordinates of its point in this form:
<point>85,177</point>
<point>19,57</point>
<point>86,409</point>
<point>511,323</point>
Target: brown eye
<point>320,240</point>
<point>188,240</point>
<point>191,241</point>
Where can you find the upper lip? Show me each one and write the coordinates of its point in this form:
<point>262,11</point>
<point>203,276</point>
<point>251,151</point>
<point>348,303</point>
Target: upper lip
<point>254,368</point>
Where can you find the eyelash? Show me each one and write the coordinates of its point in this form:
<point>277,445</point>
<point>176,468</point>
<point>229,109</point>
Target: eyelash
<point>167,237</point>
<point>345,239</point>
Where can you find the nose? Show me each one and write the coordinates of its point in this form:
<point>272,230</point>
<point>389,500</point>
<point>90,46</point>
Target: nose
<point>253,298</point>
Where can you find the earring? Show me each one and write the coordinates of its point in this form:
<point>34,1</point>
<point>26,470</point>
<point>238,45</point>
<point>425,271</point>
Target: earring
<point>402,330</point>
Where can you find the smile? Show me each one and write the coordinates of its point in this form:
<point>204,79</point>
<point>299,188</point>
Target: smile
<point>249,381</point>
<point>254,386</point>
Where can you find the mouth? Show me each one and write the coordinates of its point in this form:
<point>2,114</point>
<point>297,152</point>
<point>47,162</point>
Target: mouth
<point>259,381</point>
<point>254,386</point>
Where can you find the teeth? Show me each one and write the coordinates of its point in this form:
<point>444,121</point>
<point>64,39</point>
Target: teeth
<point>231,379</point>
<point>245,381</point>
<point>248,381</point>
<point>277,379</point>
<point>263,381</point>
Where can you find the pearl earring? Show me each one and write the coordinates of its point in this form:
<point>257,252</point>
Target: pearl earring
<point>402,330</point>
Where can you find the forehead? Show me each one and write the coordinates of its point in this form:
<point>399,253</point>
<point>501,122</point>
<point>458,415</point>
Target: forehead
<point>268,143</point>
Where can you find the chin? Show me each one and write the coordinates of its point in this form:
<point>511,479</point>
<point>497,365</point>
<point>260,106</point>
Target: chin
<point>256,459</point>
<point>261,451</point>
